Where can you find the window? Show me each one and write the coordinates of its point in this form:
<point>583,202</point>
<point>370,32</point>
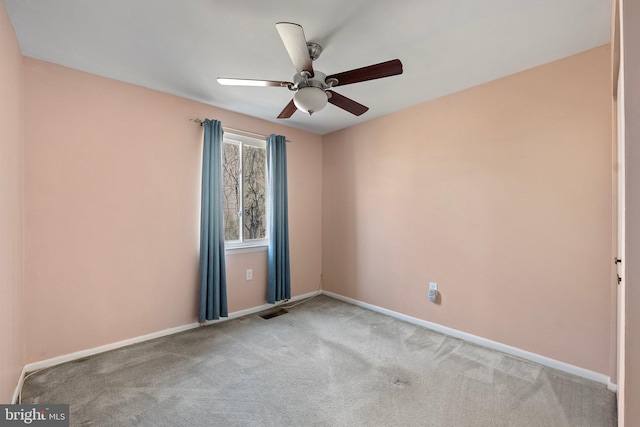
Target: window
<point>244,180</point>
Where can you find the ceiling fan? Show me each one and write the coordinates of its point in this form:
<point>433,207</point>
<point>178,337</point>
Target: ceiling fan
<point>313,88</point>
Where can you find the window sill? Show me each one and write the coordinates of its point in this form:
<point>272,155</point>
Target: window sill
<point>246,249</point>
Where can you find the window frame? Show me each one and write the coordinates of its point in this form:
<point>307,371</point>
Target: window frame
<point>241,245</point>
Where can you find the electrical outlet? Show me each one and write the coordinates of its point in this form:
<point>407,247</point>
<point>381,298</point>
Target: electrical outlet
<point>433,292</point>
<point>249,274</point>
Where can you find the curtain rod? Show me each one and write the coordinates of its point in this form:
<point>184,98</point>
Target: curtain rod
<point>225,128</point>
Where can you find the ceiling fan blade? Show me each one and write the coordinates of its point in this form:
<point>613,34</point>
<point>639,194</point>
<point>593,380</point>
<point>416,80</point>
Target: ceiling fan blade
<point>288,110</point>
<point>296,44</point>
<point>347,104</point>
<point>251,82</point>
<point>372,72</point>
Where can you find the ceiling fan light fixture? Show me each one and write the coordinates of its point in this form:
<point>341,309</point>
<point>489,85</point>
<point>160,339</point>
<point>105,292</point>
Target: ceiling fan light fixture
<point>310,99</point>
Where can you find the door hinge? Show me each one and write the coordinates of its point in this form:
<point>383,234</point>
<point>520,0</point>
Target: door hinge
<point>619,279</point>
<point>617,261</point>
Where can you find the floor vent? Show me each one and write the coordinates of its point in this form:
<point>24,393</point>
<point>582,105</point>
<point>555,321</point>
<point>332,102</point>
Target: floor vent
<point>274,313</point>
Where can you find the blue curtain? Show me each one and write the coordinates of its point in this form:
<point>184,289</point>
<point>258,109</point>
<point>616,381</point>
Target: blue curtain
<point>213,287</point>
<point>279,284</point>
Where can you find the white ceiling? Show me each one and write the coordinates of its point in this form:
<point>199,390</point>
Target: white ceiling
<point>180,47</point>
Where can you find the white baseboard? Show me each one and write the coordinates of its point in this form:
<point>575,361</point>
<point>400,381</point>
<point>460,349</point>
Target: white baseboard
<point>612,387</point>
<point>47,363</point>
<point>16,393</point>
<point>262,307</point>
<point>513,351</point>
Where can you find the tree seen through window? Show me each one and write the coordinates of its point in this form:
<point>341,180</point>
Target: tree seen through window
<point>244,190</point>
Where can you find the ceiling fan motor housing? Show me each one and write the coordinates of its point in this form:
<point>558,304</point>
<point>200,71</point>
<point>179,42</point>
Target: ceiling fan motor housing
<point>318,80</point>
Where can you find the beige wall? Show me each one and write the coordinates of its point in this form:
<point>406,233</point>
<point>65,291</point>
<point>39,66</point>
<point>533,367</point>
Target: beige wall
<point>501,194</point>
<point>11,209</point>
<point>631,28</point>
<point>112,185</point>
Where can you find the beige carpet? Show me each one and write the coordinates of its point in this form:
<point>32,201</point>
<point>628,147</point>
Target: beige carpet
<point>325,363</point>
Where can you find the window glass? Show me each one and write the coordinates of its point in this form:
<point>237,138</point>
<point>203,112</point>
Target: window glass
<point>244,165</point>
<point>254,177</point>
<point>231,190</point>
